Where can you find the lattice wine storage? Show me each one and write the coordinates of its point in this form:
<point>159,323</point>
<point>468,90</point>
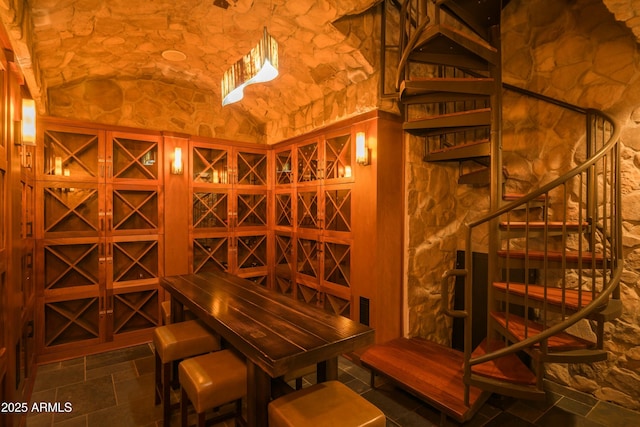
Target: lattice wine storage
<point>251,168</point>
<point>210,210</point>
<point>100,235</point>
<point>210,254</point>
<point>134,159</point>
<point>284,172</point>
<point>229,215</point>
<point>134,310</point>
<point>338,157</point>
<point>72,320</point>
<point>284,264</point>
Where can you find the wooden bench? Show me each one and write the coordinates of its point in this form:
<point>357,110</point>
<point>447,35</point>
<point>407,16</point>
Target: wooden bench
<point>428,370</point>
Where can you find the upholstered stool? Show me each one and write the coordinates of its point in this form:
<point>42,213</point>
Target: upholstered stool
<point>297,375</point>
<point>212,380</point>
<point>173,343</point>
<point>326,404</point>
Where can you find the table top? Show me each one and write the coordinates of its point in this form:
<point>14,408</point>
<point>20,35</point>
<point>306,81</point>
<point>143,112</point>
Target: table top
<point>274,331</point>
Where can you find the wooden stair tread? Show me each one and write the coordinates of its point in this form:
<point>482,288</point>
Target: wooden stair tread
<point>556,343</point>
<point>429,370</point>
<point>510,197</point>
<point>539,225</point>
<point>470,150</point>
<point>572,298</point>
<point>443,38</point>
<point>471,118</point>
<point>508,368</point>
<point>572,257</point>
<point>470,86</point>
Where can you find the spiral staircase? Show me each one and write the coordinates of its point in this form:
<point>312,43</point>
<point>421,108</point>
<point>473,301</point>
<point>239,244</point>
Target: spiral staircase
<point>554,253</point>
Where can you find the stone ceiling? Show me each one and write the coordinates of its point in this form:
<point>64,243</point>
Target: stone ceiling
<point>61,44</point>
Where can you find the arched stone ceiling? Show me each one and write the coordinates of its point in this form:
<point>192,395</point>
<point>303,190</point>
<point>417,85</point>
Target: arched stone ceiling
<point>116,44</point>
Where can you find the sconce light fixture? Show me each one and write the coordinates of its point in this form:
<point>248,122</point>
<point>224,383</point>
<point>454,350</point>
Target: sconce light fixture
<point>177,167</point>
<point>362,151</point>
<point>28,126</point>
<point>260,65</point>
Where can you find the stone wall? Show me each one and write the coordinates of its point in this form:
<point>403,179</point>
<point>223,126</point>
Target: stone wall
<point>151,104</point>
<point>577,52</point>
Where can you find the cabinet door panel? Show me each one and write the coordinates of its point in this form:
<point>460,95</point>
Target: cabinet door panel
<point>71,321</point>
<point>210,165</point>
<point>135,310</point>
<point>284,172</point>
<point>251,168</point>
<point>210,254</point>
<point>71,266</point>
<point>308,258</point>
<point>308,163</point>
<point>210,210</point>
<point>251,210</point>
<point>72,211</point>
<point>308,203</point>
<point>337,209</point>
<point>135,209</point>
<point>338,157</point>
<point>284,210</point>
<point>135,260</point>
<point>251,252</point>
<point>135,159</point>
<point>72,153</point>
<point>337,264</point>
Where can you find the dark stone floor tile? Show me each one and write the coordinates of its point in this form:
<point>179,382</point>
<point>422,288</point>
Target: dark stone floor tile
<point>39,420</point>
<point>559,417</point>
<point>130,414</point>
<point>118,356</point>
<point>506,419</point>
<point>89,396</point>
<point>128,369</point>
<point>74,422</point>
<point>416,419</point>
<point>136,389</point>
<point>344,376</point>
<point>354,370</point>
<point>391,401</point>
<point>61,376</point>
<point>573,406</point>
<point>146,365</point>
<point>358,386</point>
<point>609,414</point>
<point>585,398</point>
<point>55,366</point>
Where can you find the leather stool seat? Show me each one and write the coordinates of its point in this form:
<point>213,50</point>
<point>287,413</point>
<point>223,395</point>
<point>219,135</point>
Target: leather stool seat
<point>175,342</point>
<point>326,404</point>
<point>210,381</point>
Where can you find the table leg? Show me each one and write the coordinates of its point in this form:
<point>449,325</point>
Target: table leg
<point>327,370</point>
<point>177,311</point>
<point>258,395</point>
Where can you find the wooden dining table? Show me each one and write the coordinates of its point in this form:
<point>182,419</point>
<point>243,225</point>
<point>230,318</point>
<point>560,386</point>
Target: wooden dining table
<point>276,333</point>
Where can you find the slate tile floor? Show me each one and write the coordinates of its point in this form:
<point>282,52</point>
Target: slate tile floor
<point>115,389</point>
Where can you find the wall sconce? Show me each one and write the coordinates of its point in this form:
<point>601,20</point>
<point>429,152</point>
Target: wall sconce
<point>176,165</point>
<point>28,126</point>
<point>362,151</point>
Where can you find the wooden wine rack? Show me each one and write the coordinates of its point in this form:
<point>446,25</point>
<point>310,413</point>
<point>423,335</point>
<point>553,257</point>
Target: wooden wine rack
<point>313,221</point>
<point>99,237</point>
<point>230,214</point>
